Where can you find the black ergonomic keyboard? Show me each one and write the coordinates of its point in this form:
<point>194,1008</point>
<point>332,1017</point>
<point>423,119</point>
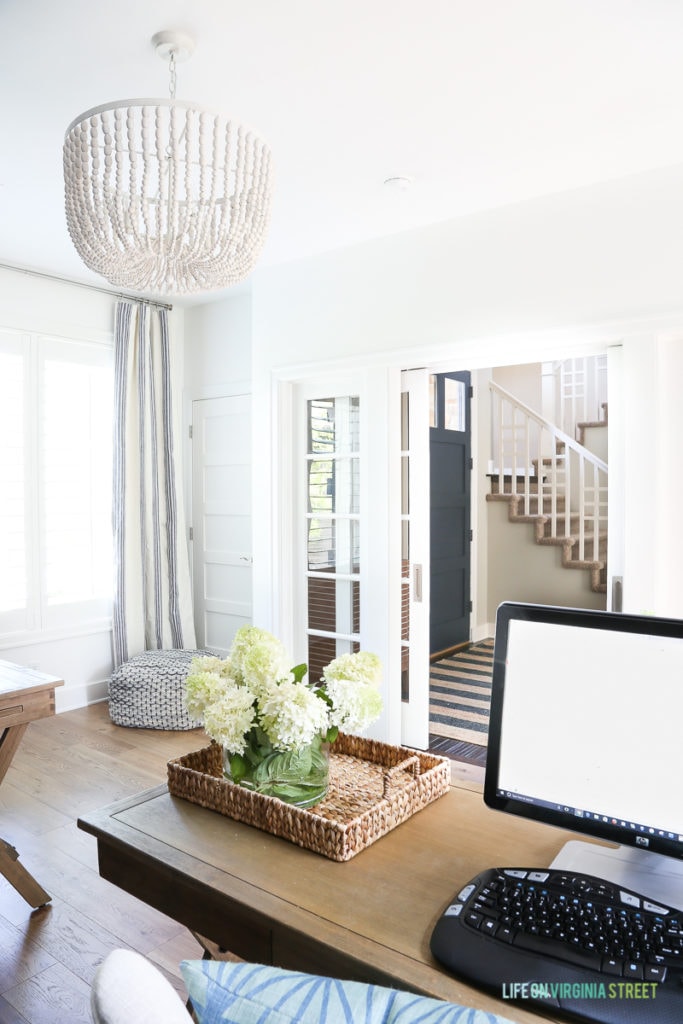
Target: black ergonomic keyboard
<point>566,943</point>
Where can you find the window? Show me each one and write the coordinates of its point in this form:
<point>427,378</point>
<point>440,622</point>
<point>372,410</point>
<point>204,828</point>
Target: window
<point>55,497</point>
<point>447,403</point>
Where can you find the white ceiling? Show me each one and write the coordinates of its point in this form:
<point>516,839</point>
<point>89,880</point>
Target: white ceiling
<point>481,102</point>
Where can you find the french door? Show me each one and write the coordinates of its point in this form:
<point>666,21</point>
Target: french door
<point>359,564</point>
<point>342,489</point>
<point>415,563</point>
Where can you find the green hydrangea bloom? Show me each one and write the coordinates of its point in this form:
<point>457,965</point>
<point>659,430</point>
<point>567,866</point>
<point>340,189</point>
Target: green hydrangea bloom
<point>229,719</point>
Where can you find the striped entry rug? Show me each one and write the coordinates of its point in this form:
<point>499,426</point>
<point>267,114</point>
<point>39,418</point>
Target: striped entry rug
<point>460,694</point>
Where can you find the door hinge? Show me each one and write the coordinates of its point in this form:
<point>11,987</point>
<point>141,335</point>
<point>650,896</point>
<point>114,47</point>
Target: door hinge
<point>470,606</point>
<point>191,533</point>
<point>471,536</point>
<point>471,391</point>
<point>471,462</point>
<point>189,431</point>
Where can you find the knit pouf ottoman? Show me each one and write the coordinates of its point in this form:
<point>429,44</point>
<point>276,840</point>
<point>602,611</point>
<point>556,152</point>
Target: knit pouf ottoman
<point>148,692</point>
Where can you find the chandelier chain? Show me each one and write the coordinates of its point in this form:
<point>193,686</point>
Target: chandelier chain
<point>172,73</point>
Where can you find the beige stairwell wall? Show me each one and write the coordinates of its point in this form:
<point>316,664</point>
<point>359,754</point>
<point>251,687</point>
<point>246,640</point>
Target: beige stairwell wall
<point>521,570</point>
<point>518,569</point>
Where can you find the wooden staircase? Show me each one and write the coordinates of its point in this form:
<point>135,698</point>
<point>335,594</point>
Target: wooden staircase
<point>562,495</point>
<point>541,522</point>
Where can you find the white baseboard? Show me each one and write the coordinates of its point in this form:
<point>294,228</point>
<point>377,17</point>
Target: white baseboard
<point>482,632</point>
<point>69,698</point>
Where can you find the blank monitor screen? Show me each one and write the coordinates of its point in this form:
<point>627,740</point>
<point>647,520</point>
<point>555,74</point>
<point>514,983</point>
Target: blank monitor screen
<point>586,723</point>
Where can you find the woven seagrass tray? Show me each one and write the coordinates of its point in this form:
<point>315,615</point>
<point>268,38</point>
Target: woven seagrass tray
<point>373,788</point>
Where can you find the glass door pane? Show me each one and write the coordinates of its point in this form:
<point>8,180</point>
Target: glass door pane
<point>332,530</point>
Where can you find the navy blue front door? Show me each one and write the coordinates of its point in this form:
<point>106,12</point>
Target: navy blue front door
<point>450,473</point>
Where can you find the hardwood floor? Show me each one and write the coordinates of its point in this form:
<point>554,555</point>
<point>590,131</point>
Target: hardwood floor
<point>64,766</point>
<point>457,750</point>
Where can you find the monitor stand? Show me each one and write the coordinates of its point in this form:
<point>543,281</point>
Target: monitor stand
<point>652,874</point>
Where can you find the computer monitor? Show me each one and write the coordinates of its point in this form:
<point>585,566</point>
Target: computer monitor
<point>585,733</point>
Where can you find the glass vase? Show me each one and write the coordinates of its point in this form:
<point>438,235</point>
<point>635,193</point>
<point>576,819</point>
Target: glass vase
<point>299,777</point>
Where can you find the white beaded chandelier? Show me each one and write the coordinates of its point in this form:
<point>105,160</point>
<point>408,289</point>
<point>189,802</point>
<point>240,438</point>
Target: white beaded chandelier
<point>163,196</point>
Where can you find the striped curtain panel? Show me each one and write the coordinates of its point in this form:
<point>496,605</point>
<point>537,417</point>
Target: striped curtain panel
<point>152,590</point>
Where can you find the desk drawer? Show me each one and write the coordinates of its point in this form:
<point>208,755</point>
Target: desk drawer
<point>26,708</point>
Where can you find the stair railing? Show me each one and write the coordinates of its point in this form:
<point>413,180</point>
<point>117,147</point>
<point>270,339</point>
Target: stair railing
<point>551,474</point>
<point>581,392</point>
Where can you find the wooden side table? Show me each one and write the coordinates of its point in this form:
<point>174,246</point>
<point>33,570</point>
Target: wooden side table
<point>25,695</point>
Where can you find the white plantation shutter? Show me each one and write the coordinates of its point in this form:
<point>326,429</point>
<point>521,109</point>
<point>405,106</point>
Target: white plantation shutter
<point>13,484</point>
<point>76,441</point>
<point>55,502</point>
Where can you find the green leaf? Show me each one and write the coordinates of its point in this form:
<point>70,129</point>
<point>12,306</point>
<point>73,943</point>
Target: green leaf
<point>238,768</point>
<point>286,793</point>
<point>299,671</point>
<point>254,757</point>
<point>260,737</point>
<point>324,695</point>
<point>332,733</point>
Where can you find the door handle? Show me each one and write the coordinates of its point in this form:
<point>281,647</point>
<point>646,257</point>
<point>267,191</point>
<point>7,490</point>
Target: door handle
<point>417,583</point>
<point>617,593</point>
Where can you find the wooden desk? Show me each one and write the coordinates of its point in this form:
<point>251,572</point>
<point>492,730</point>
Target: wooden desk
<point>269,901</point>
<point>25,695</point>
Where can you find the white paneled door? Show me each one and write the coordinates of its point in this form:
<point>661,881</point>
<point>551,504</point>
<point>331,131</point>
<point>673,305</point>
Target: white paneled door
<point>221,519</point>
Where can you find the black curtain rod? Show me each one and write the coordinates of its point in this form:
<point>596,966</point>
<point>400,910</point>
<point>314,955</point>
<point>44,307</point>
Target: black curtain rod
<point>82,284</point>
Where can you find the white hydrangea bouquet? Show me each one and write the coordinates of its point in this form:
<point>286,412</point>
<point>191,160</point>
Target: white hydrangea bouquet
<point>274,727</point>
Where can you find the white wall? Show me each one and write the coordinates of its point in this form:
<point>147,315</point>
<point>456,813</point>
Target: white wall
<point>37,304</point>
<point>521,570</point>
<point>218,348</point>
<point>82,657</point>
<point>608,252</point>
<point>525,382</point>
<point>552,277</point>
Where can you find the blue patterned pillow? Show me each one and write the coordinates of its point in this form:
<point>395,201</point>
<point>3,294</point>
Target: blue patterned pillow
<point>244,993</point>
